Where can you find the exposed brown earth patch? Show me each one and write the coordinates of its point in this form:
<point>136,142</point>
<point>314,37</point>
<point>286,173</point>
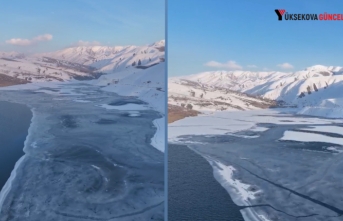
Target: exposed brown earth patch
<point>9,81</point>
<point>177,113</point>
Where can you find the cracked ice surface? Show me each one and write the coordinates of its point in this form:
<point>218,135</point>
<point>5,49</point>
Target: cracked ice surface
<point>84,162</point>
<point>297,179</point>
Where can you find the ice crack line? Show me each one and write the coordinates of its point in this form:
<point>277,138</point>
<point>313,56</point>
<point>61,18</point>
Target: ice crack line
<point>332,208</point>
<point>319,132</point>
<point>108,219</point>
<point>267,205</point>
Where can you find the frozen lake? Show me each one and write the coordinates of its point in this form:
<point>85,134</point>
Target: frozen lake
<point>276,166</point>
<point>84,161</point>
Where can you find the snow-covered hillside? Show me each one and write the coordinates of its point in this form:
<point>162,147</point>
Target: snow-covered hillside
<point>147,84</point>
<point>112,59</point>
<point>202,97</point>
<point>317,90</point>
<point>77,62</point>
<point>28,69</point>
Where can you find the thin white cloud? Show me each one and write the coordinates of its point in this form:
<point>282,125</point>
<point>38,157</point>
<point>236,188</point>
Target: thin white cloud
<point>27,42</point>
<point>252,66</point>
<point>86,43</point>
<point>230,65</point>
<point>285,66</point>
<point>265,69</point>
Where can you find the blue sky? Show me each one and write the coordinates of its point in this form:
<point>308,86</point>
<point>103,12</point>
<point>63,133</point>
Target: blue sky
<point>243,34</point>
<point>41,25</point>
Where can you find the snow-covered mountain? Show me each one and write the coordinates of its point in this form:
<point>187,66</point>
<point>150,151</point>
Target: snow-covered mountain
<point>112,59</point>
<point>205,97</point>
<point>77,63</point>
<point>316,89</point>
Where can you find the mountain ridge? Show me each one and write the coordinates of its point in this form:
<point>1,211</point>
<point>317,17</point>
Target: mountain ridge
<point>314,89</point>
<point>79,62</point>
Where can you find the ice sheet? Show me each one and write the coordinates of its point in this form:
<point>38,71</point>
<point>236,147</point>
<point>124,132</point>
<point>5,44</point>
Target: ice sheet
<point>233,121</point>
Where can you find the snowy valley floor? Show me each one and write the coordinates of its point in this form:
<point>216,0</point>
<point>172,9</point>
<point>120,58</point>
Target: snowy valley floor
<point>275,165</point>
<point>89,155</point>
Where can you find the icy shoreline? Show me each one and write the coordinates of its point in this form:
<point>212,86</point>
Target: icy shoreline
<point>158,140</point>
<point>7,187</point>
<point>238,191</point>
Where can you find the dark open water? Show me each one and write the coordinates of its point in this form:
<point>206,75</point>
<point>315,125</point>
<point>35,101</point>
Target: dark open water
<point>15,120</point>
<point>193,192</point>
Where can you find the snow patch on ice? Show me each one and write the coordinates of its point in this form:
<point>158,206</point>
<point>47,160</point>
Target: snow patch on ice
<point>98,168</point>
<point>258,129</point>
<point>329,129</point>
<point>158,140</point>
<point>309,137</point>
<point>239,191</point>
<point>134,113</point>
<point>336,149</point>
<point>34,145</point>
<point>242,136</point>
<point>249,214</point>
<point>263,218</point>
<point>125,107</point>
<point>81,101</point>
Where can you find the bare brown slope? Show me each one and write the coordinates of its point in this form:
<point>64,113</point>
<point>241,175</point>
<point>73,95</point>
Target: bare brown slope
<point>8,81</point>
<point>177,113</point>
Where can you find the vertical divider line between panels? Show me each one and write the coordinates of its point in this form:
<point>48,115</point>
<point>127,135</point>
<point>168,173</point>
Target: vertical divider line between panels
<point>166,115</point>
